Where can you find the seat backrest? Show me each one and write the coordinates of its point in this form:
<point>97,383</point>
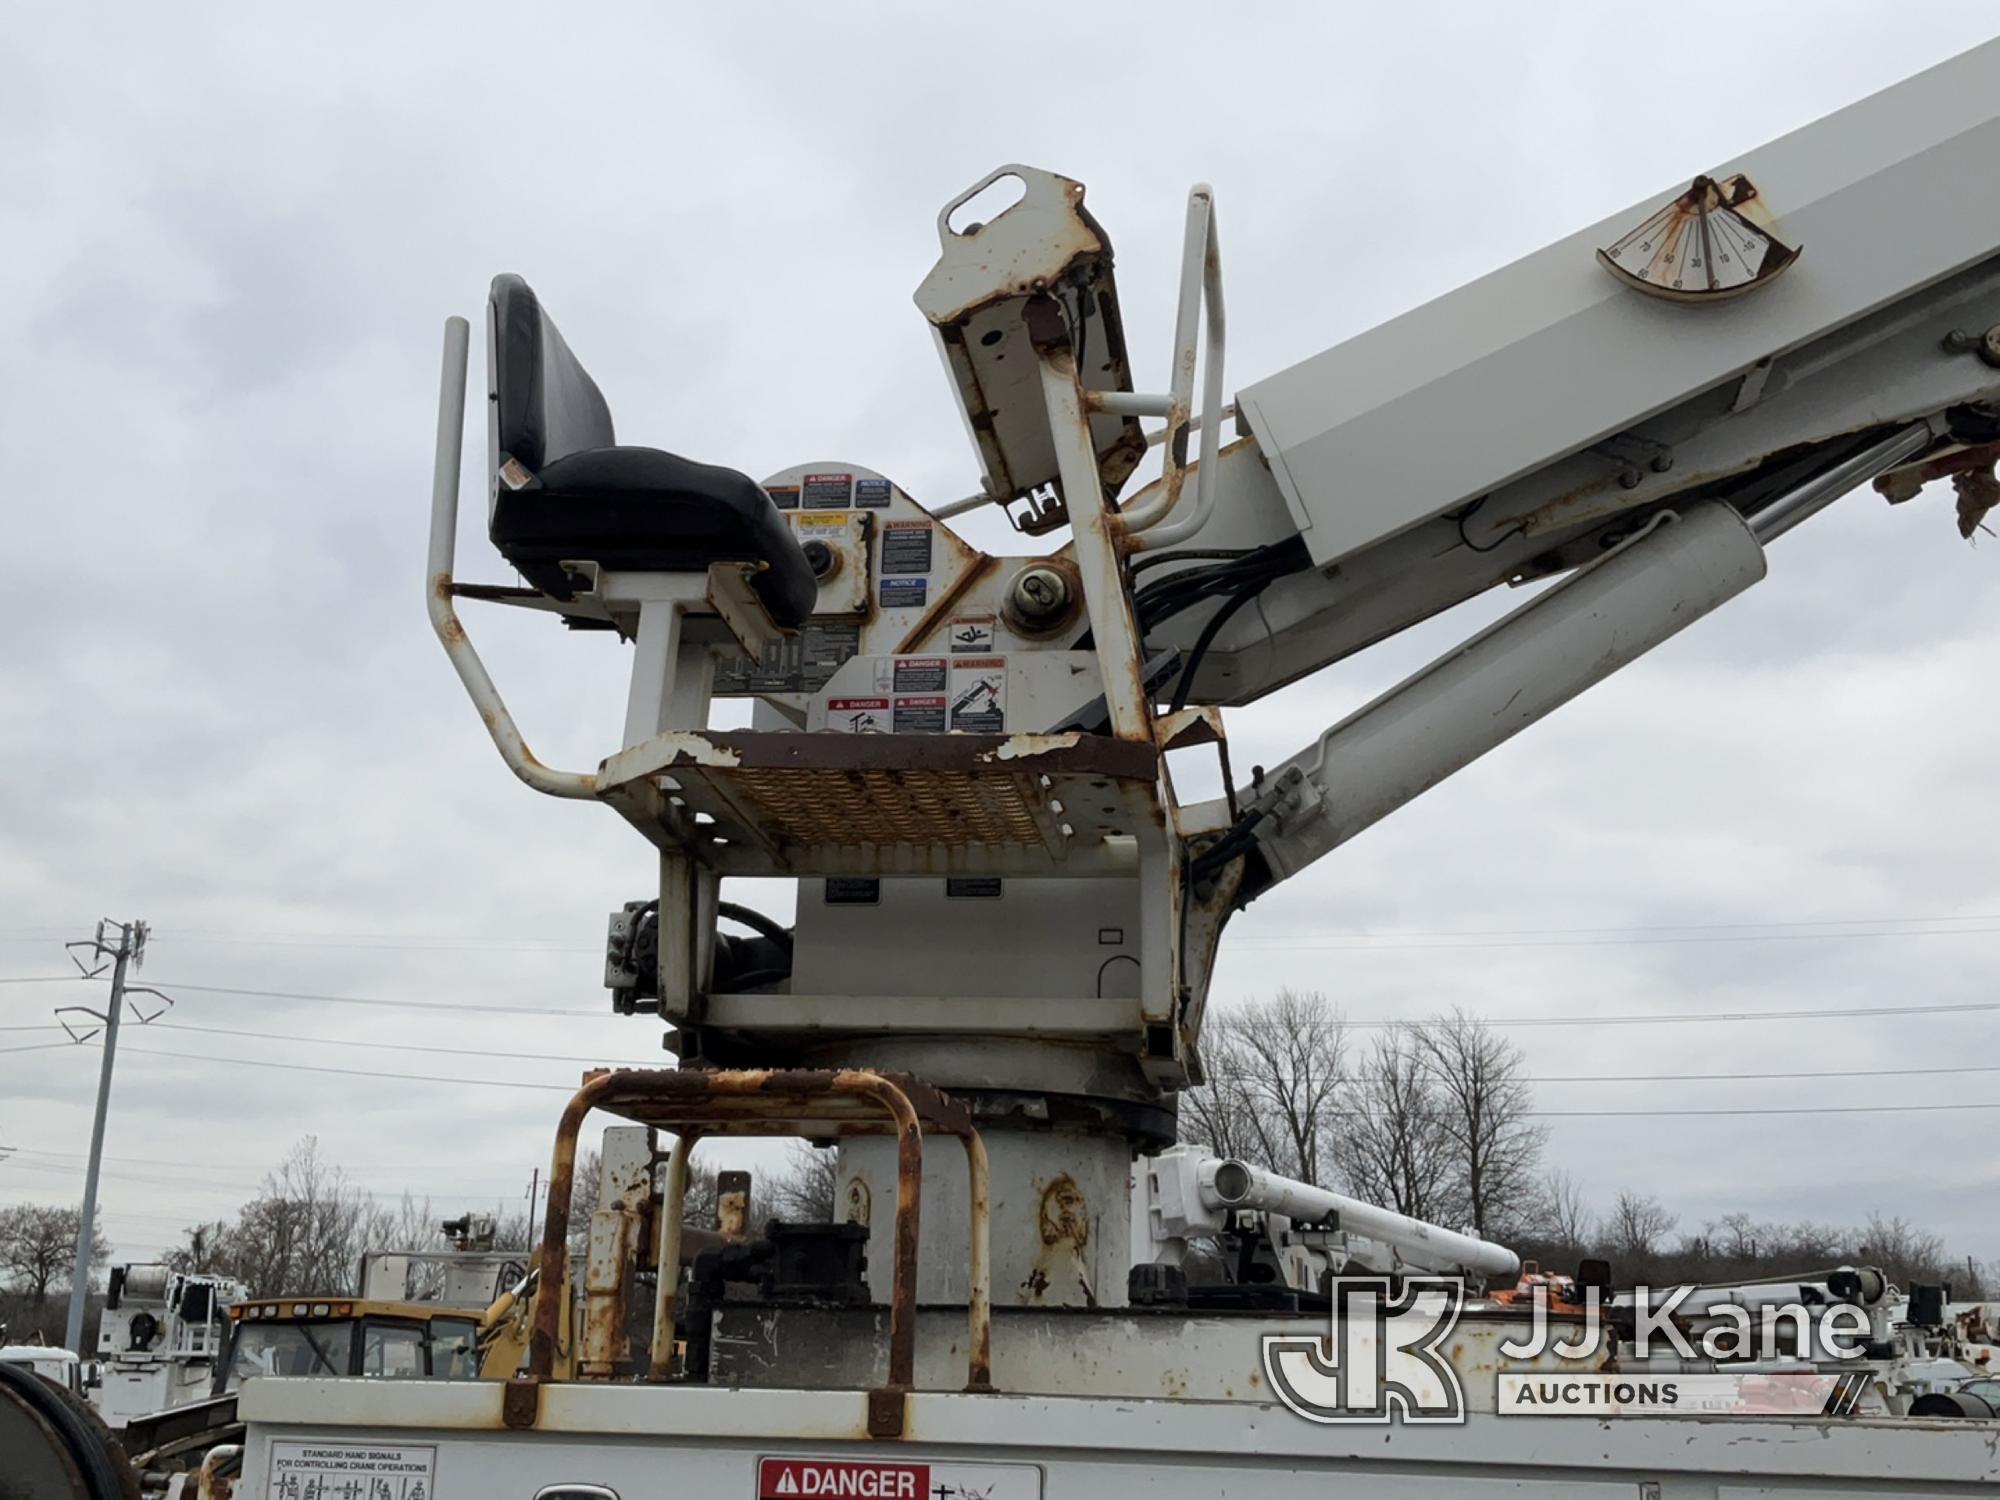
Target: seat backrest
<point>545,402</point>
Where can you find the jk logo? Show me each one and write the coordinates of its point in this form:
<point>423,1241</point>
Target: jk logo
<point>1379,1357</point>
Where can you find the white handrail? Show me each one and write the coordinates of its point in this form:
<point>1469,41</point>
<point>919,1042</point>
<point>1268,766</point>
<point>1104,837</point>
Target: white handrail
<point>1201,292</point>
<point>444,616</point>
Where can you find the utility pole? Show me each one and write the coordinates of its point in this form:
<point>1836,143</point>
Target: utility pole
<point>128,951</point>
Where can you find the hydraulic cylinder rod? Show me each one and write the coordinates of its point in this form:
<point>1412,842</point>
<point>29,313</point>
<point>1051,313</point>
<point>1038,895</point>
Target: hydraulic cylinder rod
<point>1237,1184</point>
<point>1525,666</point>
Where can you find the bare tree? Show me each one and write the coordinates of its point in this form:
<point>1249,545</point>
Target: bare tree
<point>1392,1140</point>
<point>1905,1253</point>
<point>807,1189</point>
<point>1221,1114</point>
<point>303,1232</point>
<point>1485,1104</point>
<point>1733,1237</point>
<point>582,1201</point>
<point>517,1229</point>
<point>204,1247</point>
<point>1639,1221</point>
<point>1274,1078</point>
<point>1566,1215</point>
<point>38,1246</point>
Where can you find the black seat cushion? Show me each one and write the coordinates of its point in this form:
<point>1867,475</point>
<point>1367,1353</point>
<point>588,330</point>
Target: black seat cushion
<point>576,495</point>
<point>646,511</point>
<point>546,401</point>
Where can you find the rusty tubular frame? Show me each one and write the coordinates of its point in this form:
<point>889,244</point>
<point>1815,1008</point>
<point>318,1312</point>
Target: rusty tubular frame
<point>660,1361</point>
<point>1094,537</point>
<point>440,587</point>
<point>705,1088</point>
<point>979,1267</point>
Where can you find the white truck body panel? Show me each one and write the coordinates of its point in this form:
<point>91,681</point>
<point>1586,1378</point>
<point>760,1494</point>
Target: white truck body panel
<point>641,1440</point>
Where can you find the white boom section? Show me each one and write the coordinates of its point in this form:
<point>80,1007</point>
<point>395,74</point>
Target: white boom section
<point>1551,354</point>
<point>1185,1192</point>
<point>1493,686</point>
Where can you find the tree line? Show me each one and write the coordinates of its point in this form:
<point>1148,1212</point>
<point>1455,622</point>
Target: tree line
<point>310,1223</point>
<point>1435,1120</point>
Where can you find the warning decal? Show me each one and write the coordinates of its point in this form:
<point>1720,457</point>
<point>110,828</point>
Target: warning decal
<point>367,1471</point>
<point>784,496</point>
<point>870,1479</point>
<point>906,547</point>
<point>919,674</point>
<point>920,714</point>
<point>826,491</point>
<point>858,715</point>
<point>979,694</point>
<point>971,634</point>
<point>871,494</point>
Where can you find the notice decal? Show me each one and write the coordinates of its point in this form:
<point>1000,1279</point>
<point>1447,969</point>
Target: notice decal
<point>369,1471</point>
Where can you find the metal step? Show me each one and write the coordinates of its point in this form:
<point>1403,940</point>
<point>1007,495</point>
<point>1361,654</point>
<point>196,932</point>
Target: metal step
<point>750,802</point>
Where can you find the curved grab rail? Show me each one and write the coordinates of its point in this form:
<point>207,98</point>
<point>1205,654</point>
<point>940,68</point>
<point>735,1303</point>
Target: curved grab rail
<point>695,1103</point>
<point>440,589</point>
<point>1200,293</point>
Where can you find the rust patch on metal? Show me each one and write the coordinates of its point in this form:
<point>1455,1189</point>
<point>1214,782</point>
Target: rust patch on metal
<point>940,612</point>
<point>979,1269</point>
<point>887,1413</point>
<point>521,1402</point>
<point>1975,478</point>
<point>1065,1215</point>
<point>1063,1224</point>
<point>732,1204</point>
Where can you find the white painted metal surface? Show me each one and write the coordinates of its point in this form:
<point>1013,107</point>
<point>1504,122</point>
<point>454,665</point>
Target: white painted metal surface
<point>711,1441</point>
<point>1537,421</point>
<point>1490,688</point>
<point>1551,354</point>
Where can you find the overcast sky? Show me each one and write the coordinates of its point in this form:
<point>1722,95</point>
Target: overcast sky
<point>230,244</point>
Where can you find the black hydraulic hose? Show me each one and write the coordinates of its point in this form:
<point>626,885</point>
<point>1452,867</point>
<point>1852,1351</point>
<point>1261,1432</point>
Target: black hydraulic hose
<point>757,922</point>
<point>1207,638</point>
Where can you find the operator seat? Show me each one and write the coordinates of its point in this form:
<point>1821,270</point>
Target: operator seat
<point>565,491</point>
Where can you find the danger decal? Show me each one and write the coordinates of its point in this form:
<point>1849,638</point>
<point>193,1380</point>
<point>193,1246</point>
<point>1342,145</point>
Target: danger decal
<point>868,1479</point>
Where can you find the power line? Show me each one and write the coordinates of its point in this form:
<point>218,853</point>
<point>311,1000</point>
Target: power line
<point>1657,1018</point>
<point>414,944</point>
<point>1803,1109</point>
<point>332,1041</point>
<point>155,1179</point>
<point>251,1062</point>
<point>1678,1018</point>
<point>1645,927</point>
<point>514,942</point>
<point>483,1010</point>
<point>601,1060</point>
<point>1285,946</point>
<point>245,1167</point>
<point>563,1088</point>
